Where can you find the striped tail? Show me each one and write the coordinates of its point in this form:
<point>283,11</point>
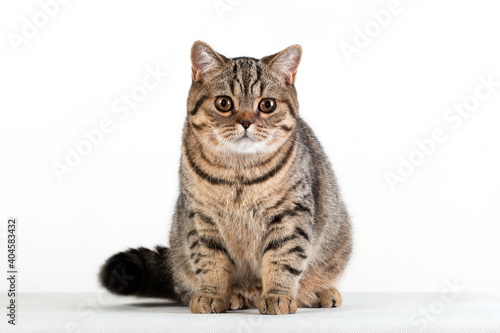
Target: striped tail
<point>139,272</point>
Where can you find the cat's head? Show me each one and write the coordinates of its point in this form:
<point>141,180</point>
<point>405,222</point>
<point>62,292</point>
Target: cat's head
<point>243,105</point>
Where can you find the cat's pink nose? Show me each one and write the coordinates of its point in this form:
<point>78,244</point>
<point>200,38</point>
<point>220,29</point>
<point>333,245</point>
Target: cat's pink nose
<point>245,123</point>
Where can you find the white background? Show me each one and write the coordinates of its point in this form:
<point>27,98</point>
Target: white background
<point>442,223</point>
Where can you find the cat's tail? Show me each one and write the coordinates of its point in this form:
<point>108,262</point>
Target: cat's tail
<point>139,272</point>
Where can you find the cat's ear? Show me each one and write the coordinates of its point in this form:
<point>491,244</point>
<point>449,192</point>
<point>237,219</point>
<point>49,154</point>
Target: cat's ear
<point>285,63</point>
<point>205,60</point>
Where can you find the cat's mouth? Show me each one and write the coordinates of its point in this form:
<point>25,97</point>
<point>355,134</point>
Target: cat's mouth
<point>246,144</point>
<point>245,137</point>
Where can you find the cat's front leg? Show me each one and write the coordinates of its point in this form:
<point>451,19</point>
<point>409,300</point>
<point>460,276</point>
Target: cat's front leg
<point>212,266</point>
<point>284,259</point>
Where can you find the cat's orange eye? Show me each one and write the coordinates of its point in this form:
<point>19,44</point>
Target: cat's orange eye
<point>223,103</point>
<point>267,105</point>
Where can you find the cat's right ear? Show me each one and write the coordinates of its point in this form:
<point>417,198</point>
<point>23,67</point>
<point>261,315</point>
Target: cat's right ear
<point>204,60</point>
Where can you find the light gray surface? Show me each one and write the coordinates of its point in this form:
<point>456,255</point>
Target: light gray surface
<point>361,312</point>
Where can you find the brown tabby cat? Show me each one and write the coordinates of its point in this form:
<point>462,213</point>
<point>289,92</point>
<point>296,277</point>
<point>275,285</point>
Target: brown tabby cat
<point>259,221</point>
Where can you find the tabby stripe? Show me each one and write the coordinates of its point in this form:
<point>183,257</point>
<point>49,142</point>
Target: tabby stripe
<point>291,109</point>
<point>192,198</point>
<point>211,162</point>
<point>205,158</point>
<point>273,171</point>
<point>196,127</point>
<point>277,243</point>
<point>231,86</point>
<point>214,163</point>
<point>279,203</point>
<point>276,291</point>
<point>231,83</point>
<point>301,232</point>
<point>193,245</point>
<point>206,176</point>
<point>272,158</point>
<point>219,181</point>
<point>191,233</point>
<point>286,128</point>
<point>292,270</point>
<point>242,86</point>
<point>199,270</point>
<point>296,249</point>
<point>198,104</point>
<point>198,257</point>
<point>236,76</point>
<point>239,192</point>
<point>206,219</point>
<point>246,76</point>
<point>289,212</point>
<point>212,244</point>
<point>278,218</point>
<point>294,186</point>
<point>301,207</point>
<point>258,70</point>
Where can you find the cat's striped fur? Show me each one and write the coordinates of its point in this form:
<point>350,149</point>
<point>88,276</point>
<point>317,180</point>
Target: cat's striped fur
<point>259,221</point>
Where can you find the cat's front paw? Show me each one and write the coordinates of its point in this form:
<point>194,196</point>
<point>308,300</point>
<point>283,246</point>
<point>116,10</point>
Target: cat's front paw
<point>330,298</point>
<point>208,303</point>
<point>237,302</point>
<point>277,304</point>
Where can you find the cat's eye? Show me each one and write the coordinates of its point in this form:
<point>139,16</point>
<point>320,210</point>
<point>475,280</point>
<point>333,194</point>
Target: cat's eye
<point>224,103</point>
<point>267,105</point>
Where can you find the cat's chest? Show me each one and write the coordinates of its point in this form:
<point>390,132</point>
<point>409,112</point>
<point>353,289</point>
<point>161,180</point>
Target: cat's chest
<point>242,233</point>
<point>241,215</point>
<point>242,226</point>
<point>239,212</point>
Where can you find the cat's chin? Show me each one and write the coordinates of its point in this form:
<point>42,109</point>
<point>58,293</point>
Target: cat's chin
<point>246,146</point>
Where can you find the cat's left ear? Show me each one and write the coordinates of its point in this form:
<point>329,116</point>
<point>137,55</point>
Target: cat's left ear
<point>286,62</point>
<point>205,60</point>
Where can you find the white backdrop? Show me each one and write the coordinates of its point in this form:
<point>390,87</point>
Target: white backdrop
<point>404,95</point>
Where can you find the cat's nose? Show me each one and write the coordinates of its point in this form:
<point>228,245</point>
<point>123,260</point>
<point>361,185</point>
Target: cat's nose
<point>246,123</point>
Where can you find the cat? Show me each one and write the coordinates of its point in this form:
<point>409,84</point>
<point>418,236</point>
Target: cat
<point>259,222</point>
